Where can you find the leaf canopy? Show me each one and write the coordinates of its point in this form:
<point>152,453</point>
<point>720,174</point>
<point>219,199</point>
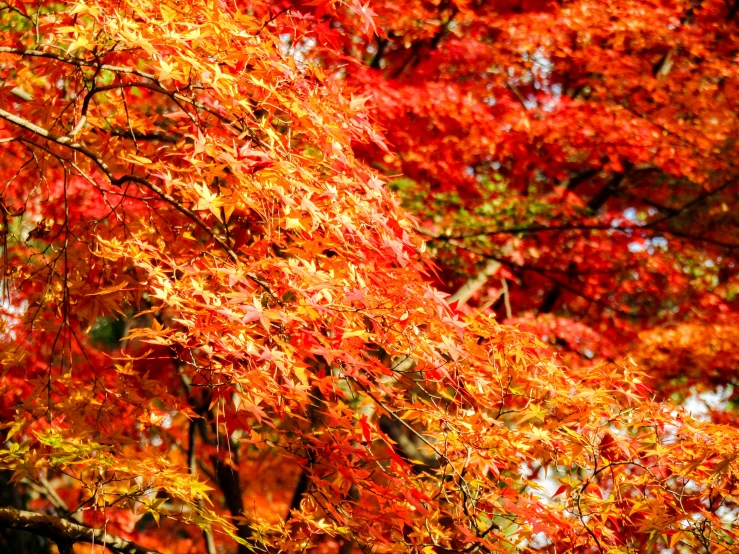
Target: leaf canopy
<point>220,328</point>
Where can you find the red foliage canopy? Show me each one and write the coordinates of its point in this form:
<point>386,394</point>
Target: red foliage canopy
<point>220,329</point>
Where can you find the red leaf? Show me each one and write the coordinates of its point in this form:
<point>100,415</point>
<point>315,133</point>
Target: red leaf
<point>365,428</point>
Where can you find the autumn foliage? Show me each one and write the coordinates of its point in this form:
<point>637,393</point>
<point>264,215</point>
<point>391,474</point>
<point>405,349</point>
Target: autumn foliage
<point>585,150</point>
<point>223,330</point>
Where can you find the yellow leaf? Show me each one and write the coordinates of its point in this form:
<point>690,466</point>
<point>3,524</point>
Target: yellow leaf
<point>111,289</point>
<point>14,429</point>
<point>79,42</point>
<point>293,223</point>
<point>355,333</point>
<point>168,14</point>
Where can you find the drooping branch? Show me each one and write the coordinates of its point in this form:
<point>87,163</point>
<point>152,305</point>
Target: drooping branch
<point>63,140</point>
<point>156,85</point>
<point>65,532</point>
<point>120,181</point>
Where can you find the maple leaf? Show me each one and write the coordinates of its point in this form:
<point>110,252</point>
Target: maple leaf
<point>218,311</point>
<point>367,15</point>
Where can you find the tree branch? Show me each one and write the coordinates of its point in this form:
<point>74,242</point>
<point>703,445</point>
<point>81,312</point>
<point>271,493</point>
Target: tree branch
<point>474,284</point>
<point>584,227</point>
<point>382,44</point>
<point>230,485</point>
<point>120,181</point>
<point>544,273</point>
<point>62,531</point>
<point>175,95</point>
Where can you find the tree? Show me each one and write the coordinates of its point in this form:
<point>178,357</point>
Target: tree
<point>573,164</point>
<point>219,331</point>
